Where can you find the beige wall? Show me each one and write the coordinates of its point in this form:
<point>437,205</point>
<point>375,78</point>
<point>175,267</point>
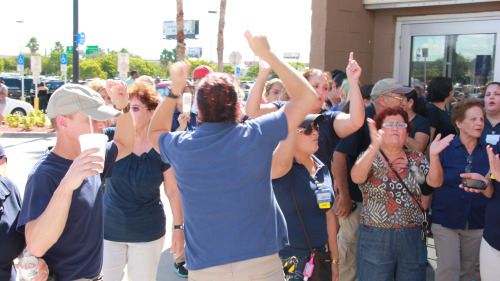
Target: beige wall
<point>342,26</point>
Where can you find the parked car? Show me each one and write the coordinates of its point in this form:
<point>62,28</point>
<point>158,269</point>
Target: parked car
<point>13,83</point>
<point>52,85</point>
<point>163,89</point>
<point>14,106</point>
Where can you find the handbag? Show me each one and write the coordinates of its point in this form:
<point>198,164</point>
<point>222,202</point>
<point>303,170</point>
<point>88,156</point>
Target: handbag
<point>322,261</point>
<point>425,229</point>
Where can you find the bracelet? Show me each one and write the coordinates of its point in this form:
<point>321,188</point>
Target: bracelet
<point>337,261</point>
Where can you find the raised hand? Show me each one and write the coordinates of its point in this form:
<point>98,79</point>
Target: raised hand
<point>353,70</point>
<point>179,73</point>
<point>117,91</point>
<point>494,163</point>
<point>83,166</point>
<point>375,135</point>
<point>183,119</point>
<point>259,45</point>
<point>439,144</point>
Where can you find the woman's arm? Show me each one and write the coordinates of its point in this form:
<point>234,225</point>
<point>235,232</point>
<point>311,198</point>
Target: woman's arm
<point>253,107</point>
<point>332,228</point>
<point>419,142</point>
<point>346,124</point>
<point>283,156</point>
<point>431,138</point>
<point>174,198</point>
<point>435,175</point>
<point>361,168</point>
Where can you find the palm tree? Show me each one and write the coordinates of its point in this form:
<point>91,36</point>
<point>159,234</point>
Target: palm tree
<point>181,46</point>
<point>58,47</point>
<point>220,39</point>
<point>33,45</point>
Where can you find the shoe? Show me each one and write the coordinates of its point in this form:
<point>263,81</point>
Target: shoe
<point>180,269</point>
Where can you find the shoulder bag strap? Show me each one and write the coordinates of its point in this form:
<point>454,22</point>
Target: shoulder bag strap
<point>300,217</point>
<point>402,182</point>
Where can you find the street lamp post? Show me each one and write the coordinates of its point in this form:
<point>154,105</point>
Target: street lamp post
<point>76,56</point>
<point>211,36</point>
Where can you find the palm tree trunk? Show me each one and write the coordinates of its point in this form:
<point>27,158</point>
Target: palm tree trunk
<point>181,46</point>
<point>220,39</point>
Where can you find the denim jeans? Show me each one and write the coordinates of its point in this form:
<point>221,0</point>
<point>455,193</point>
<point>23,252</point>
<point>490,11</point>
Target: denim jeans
<point>297,274</point>
<point>387,254</point>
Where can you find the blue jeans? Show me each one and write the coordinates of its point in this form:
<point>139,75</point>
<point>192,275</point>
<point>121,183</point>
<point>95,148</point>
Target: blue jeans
<point>296,275</point>
<point>387,254</point>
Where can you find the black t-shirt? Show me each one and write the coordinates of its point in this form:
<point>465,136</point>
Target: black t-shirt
<point>440,120</point>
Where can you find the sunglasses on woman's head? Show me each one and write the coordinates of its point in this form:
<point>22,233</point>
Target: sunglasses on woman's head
<point>309,129</point>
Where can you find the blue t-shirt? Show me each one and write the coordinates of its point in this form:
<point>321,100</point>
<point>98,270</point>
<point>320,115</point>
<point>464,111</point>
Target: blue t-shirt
<point>314,218</point>
<point>490,130</point>
<point>440,120</point>
<point>420,125</point>
<point>452,206</point>
<point>133,211</point>
<point>491,231</point>
<point>353,145</point>
<point>11,241</point>
<point>223,171</point>
<point>191,125</point>
<point>78,251</point>
<point>327,138</point>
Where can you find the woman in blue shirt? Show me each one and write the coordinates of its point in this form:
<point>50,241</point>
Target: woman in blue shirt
<point>134,219</point>
<point>458,216</point>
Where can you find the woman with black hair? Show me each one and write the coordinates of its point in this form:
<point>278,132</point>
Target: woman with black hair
<point>43,96</point>
<point>439,94</point>
<point>417,113</point>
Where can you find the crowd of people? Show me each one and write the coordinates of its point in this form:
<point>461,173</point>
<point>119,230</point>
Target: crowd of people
<point>311,164</point>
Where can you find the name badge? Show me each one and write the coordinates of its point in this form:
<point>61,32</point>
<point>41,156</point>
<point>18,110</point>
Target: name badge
<point>492,139</point>
<point>324,198</point>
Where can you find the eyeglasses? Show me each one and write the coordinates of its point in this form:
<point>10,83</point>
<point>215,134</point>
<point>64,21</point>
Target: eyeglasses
<point>137,108</point>
<point>308,130</point>
<point>390,125</point>
<point>468,168</point>
<point>398,98</point>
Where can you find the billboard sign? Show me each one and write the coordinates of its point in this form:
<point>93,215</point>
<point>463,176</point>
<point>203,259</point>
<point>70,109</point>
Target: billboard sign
<point>194,52</point>
<point>291,55</point>
<point>191,29</point>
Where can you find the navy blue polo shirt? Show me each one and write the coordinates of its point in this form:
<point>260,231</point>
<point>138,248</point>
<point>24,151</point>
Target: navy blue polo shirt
<point>490,130</point>
<point>11,241</point>
<point>353,145</point>
<point>491,231</point>
<point>327,137</point>
<point>191,125</point>
<point>314,218</point>
<point>452,206</point>
<point>420,125</point>
<point>440,120</point>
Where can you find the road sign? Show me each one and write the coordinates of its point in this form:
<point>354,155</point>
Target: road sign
<point>36,64</point>
<point>80,38</point>
<point>238,70</point>
<point>64,68</point>
<point>235,58</point>
<point>69,50</point>
<point>20,60</point>
<point>92,49</point>
<point>123,63</point>
<point>64,59</point>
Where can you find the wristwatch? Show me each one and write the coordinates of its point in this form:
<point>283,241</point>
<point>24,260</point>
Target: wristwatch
<point>180,226</point>
<point>171,95</point>
<point>126,109</point>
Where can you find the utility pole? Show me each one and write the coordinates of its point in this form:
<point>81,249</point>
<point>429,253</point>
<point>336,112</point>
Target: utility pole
<point>76,56</point>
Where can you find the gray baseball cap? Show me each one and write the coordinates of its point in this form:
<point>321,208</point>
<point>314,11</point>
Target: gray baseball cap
<point>310,118</point>
<point>71,98</point>
<point>387,86</point>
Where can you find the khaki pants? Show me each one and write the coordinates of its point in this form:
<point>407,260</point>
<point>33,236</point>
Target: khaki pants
<point>347,241</point>
<point>268,268</point>
<point>457,252</point>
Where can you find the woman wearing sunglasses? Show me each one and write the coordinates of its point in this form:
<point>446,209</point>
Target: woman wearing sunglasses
<point>134,219</point>
<point>458,217</point>
<point>391,245</point>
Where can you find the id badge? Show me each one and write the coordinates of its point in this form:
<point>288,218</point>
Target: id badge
<point>324,198</point>
<point>492,139</point>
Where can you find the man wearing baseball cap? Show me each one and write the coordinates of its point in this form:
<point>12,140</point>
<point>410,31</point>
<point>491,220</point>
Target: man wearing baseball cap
<point>348,199</point>
<point>62,211</point>
<point>199,73</point>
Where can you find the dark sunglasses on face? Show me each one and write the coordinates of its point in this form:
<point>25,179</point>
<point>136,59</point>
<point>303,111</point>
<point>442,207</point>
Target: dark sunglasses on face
<point>309,129</point>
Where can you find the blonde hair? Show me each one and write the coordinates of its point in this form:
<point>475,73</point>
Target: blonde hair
<point>97,84</point>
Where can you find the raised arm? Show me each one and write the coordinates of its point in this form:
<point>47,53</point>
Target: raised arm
<point>361,168</point>
<point>161,122</point>
<point>283,156</point>
<point>300,91</point>
<point>435,176</point>
<point>125,125</point>
<point>253,107</point>
<point>346,124</point>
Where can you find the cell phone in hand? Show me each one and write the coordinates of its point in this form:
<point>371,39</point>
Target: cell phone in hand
<point>476,184</point>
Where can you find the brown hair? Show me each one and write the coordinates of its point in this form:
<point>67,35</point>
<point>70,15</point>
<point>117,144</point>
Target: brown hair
<point>458,112</point>
<point>144,92</point>
<point>217,97</point>
<point>314,71</point>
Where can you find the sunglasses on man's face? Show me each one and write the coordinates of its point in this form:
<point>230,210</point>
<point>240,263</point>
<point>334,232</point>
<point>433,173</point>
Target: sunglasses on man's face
<point>309,129</point>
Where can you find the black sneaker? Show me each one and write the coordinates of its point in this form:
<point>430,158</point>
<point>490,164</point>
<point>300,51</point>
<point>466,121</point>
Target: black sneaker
<point>180,269</point>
